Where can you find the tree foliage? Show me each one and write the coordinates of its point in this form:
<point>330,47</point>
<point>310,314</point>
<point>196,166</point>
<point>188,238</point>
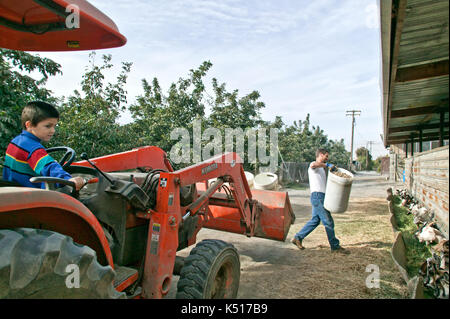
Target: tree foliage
<point>230,110</point>
<point>89,118</point>
<point>17,88</point>
<point>299,142</point>
<point>364,157</point>
<point>156,114</point>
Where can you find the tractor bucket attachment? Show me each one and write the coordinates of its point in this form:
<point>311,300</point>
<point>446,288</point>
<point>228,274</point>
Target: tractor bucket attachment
<point>276,215</point>
<point>272,220</point>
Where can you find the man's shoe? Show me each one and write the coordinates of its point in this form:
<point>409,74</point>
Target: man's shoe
<point>298,243</point>
<point>341,250</point>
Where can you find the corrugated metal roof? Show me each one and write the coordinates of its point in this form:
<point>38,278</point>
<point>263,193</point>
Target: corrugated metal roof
<point>426,92</point>
<point>425,33</point>
<point>415,49</point>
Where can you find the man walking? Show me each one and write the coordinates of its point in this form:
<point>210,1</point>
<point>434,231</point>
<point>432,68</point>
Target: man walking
<point>317,184</point>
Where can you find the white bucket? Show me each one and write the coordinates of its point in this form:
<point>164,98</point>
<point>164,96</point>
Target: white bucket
<point>250,179</point>
<point>337,193</point>
<point>265,181</point>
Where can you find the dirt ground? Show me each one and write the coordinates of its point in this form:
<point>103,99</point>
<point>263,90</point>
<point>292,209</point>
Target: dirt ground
<point>278,270</point>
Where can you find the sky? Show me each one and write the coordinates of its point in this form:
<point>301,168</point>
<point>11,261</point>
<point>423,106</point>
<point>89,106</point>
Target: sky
<point>320,57</point>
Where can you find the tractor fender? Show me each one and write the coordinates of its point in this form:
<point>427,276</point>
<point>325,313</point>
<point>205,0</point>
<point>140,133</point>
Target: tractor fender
<point>51,210</point>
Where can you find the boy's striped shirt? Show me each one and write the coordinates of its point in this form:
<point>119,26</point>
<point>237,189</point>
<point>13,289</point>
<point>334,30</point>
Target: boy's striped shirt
<point>26,157</point>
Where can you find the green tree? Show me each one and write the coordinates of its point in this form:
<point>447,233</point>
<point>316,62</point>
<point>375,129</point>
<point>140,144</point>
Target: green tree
<point>88,120</point>
<point>338,154</point>
<point>377,163</point>
<point>230,110</point>
<point>156,114</point>
<point>234,114</point>
<point>298,143</point>
<point>17,88</point>
<point>364,157</point>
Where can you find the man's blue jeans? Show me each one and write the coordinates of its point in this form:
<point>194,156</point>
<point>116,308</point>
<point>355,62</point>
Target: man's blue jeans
<point>319,214</point>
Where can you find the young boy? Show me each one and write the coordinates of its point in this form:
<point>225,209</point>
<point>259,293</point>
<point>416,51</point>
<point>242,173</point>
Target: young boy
<point>26,157</point>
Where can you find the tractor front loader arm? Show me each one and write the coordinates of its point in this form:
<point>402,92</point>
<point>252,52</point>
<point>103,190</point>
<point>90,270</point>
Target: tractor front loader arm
<point>165,220</point>
<point>250,212</point>
<point>226,168</point>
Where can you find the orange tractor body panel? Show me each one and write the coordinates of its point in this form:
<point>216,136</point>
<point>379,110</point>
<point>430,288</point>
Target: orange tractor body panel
<point>148,157</point>
<point>43,209</point>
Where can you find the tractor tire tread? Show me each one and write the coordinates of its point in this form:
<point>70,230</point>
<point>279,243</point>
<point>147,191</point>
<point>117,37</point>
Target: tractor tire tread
<point>33,261</point>
<point>197,266</point>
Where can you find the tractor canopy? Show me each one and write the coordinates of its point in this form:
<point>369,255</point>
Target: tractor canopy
<point>56,25</point>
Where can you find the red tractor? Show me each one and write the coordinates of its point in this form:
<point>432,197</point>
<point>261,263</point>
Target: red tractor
<point>118,237</point>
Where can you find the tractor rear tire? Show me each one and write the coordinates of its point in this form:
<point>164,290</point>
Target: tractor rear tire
<point>34,264</point>
<point>211,271</point>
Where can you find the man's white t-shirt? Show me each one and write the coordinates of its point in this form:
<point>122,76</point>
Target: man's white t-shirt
<point>317,179</point>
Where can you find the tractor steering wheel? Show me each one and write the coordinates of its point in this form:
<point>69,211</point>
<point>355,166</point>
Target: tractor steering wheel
<point>68,157</point>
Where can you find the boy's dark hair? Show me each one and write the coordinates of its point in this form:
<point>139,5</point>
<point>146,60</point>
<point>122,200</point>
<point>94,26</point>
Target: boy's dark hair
<point>37,111</point>
<point>321,151</point>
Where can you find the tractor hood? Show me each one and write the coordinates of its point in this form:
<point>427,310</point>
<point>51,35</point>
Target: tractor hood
<point>56,25</point>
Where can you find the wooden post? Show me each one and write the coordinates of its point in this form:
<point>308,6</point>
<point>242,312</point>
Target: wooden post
<point>441,129</point>
<point>420,141</point>
<point>390,199</point>
<point>406,150</point>
<point>353,114</point>
<point>412,145</point>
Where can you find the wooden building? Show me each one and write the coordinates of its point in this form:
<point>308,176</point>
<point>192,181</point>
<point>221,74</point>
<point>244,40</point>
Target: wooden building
<point>415,92</point>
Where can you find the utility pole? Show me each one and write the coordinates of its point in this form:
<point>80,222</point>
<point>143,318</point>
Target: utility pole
<point>353,113</point>
<point>367,156</point>
<point>370,145</point>
<point>368,151</point>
